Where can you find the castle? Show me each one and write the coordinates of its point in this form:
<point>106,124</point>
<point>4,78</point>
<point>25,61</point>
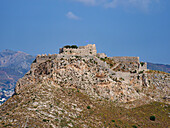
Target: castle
<point>89,50</point>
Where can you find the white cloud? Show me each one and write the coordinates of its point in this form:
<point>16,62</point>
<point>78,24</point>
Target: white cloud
<point>143,4</point>
<point>72,16</point>
<point>87,2</point>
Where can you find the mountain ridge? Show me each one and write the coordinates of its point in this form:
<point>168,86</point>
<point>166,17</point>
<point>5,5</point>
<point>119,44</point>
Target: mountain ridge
<point>13,65</point>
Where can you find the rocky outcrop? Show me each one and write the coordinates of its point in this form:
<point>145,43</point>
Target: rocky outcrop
<point>96,78</point>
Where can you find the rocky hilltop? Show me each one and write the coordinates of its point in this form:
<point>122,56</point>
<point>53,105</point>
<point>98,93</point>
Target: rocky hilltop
<point>82,88</point>
<point>121,79</point>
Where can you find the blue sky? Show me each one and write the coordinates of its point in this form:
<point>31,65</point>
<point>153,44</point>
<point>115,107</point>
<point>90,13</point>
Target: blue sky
<point>117,27</point>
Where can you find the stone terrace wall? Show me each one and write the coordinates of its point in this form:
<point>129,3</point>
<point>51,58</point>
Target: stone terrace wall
<point>89,49</point>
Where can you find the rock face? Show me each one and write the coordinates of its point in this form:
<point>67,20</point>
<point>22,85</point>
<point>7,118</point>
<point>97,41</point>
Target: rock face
<point>121,79</point>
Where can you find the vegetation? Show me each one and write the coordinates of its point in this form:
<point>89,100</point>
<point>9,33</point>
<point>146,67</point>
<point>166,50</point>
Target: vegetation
<point>45,120</point>
<point>152,118</point>
<point>155,71</point>
<point>140,72</point>
<point>133,71</point>
<point>113,120</point>
<point>134,126</point>
<point>142,63</point>
<point>72,46</point>
<point>102,110</point>
<point>88,107</point>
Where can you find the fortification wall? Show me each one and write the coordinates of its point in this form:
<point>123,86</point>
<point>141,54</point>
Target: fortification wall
<point>125,59</point>
<point>89,49</point>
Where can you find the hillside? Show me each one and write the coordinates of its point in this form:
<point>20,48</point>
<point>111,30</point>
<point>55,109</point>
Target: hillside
<point>13,65</point>
<point>46,105</point>
<point>159,67</point>
<point>82,88</point>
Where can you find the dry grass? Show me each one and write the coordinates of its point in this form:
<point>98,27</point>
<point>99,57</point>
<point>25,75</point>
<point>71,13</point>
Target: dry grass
<point>60,103</point>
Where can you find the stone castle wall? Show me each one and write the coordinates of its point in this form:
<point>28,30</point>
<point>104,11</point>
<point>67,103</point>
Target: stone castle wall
<point>125,59</point>
<point>89,49</point>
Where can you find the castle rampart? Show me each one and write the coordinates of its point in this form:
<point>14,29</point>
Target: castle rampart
<point>125,59</point>
<point>89,49</point>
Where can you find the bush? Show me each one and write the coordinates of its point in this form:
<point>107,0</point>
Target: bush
<point>45,120</point>
<point>133,71</point>
<point>102,59</point>
<point>113,120</point>
<point>140,72</point>
<point>111,65</point>
<point>134,126</point>
<point>142,63</point>
<point>67,46</point>
<point>152,118</point>
<point>8,125</point>
<point>74,46</point>
<point>88,107</point>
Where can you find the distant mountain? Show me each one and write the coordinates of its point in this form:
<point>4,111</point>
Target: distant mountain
<point>159,67</point>
<point>13,65</point>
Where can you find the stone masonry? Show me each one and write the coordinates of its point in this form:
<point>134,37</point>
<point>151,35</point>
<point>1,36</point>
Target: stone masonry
<point>89,49</point>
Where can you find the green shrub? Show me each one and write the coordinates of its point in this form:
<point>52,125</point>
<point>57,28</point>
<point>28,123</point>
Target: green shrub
<point>134,126</point>
<point>152,118</point>
<point>67,46</point>
<point>111,65</point>
<point>102,59</point>
<point>8,125</point>
<point>88,107</point>
<point>133,71</point>
<point>45,120</point>
<point>142,63</point>
<point>113,120</point>
<point>140,72</point>
<point>74,46</point>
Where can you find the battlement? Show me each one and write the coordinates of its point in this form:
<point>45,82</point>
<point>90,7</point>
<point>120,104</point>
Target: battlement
<point>89,49</point>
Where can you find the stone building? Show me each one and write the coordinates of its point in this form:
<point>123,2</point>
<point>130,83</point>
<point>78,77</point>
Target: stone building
<point>89,49</point>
